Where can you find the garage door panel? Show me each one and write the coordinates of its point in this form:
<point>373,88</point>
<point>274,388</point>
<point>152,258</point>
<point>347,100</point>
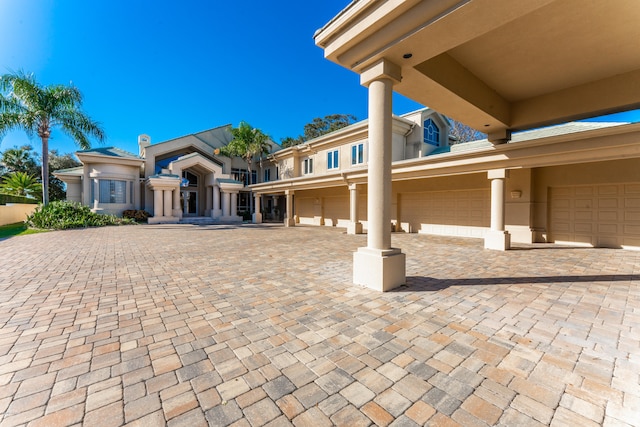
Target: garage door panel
<point>605,215</point>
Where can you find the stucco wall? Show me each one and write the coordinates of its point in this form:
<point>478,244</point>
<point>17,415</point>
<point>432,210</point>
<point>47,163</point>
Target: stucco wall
<point>10,214</point>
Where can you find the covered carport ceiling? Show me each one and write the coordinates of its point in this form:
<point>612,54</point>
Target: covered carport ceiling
<point>498,65</point>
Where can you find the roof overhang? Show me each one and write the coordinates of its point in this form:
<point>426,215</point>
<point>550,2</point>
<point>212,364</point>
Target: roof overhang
<point>498,65</point>
<point>610,143</point>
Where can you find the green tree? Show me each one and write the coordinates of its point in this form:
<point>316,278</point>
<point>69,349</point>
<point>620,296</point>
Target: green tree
<point>318,127</point>
<point>21,184</point>
<point>247,143</point>
<point>27,105</point>
<point>20,159</point>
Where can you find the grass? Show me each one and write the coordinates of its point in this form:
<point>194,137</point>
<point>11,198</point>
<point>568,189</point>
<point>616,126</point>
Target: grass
<point>17,229</point>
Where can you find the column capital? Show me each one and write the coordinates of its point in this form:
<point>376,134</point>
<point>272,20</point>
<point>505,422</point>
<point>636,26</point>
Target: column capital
<point>383,69</point>
<point>352,186</point>
<point>498,174</point>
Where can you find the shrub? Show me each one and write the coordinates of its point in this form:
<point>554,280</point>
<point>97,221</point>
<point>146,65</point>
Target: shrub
<point>10,198</point>
<point>138,215</point>
<point>60,215</point>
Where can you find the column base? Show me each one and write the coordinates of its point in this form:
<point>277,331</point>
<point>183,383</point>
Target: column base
<point>177,213</point>
<point>354,228</point>
<point>289,222</point>
<point>318,220</point>
<point>497,240</point>
<point>380,270</point>
<point>256,218</point>
<point>163,220</point>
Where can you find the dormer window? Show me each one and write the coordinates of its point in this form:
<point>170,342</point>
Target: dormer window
<point>431,133</point>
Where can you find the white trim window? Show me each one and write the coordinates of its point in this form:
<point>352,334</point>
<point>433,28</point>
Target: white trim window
<point>332,159</point>
<point>307,166</point>
<point>357,154</point>
<point>112,191</point>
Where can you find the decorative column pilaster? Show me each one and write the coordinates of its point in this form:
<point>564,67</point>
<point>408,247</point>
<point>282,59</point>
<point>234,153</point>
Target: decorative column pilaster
<point>379,266</point>
<point>497,238</point>
<point>354,226</point>
<point>289,221</point>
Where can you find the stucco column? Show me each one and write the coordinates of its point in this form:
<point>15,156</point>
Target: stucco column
<point>215,209</point>
<point>379,266</point>
<point>177,209</point>
<point>168,201</point>
<point>288,219</point>
<point>497,238</point>
<point>158,209</point>
<point>257,215</point>
<point>234,204</point>
<point>354,226</point>
<point>226,204</point>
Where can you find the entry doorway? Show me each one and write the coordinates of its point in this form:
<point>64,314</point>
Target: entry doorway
<point>189,201</point>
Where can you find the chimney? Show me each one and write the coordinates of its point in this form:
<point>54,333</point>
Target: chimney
<point>143,142</point>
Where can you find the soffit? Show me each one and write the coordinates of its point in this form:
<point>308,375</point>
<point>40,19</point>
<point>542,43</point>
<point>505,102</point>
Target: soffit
<point>499,64</point>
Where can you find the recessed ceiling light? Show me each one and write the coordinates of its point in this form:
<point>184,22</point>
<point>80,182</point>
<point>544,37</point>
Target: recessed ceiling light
<point>407,55</point>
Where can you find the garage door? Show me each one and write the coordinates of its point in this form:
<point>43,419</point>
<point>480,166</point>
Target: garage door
<point>606,215</point>
<point>451,213</point>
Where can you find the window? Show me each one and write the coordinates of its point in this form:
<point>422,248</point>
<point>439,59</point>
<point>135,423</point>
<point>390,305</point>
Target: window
<point>112,191</point>
<point>357,154</point>
<point>242,176</point>
<point>267,175</point>
<point>277,173</point>
<point>332,159</point>
<point>308,166</point>
<point>431,133</point>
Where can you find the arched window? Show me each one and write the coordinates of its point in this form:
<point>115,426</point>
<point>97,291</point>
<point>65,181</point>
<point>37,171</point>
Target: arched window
<point>431,133</point>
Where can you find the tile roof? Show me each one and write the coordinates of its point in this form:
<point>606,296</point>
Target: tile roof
<point>111,152</point>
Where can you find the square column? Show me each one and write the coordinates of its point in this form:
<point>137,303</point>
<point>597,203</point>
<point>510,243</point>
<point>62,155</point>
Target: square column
<point>257,215</point>
<point>379,266</point>
<point>497,238</point>
<point>354,226</point>
<point>288,218</point>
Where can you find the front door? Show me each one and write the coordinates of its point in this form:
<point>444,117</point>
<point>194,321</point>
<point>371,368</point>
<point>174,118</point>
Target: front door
<point>190,203</point>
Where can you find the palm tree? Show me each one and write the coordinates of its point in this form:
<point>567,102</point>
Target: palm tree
<point>37,109</point>
<point>21,184</point>
<point>247,143</point>
<point>19,159</point>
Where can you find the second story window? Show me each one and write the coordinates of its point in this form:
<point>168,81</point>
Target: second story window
<point>308,166</point>
<point>332,159</point>
<point>357,154</point>
<point>431,133</point>
<point>267,175</point>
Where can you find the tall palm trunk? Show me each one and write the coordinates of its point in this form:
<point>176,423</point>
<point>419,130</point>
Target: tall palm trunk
<point>45,170</point>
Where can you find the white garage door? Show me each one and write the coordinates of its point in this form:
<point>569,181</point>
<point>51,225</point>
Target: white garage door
<point>451,213</point>
<point>606,215</point>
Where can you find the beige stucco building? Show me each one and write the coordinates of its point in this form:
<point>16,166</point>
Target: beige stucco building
<point>508,67</point>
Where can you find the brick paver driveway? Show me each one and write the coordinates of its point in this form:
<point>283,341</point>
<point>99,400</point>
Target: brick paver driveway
<point>223,325</point>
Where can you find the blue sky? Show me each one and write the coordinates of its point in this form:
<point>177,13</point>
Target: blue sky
<point>171,68</point>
